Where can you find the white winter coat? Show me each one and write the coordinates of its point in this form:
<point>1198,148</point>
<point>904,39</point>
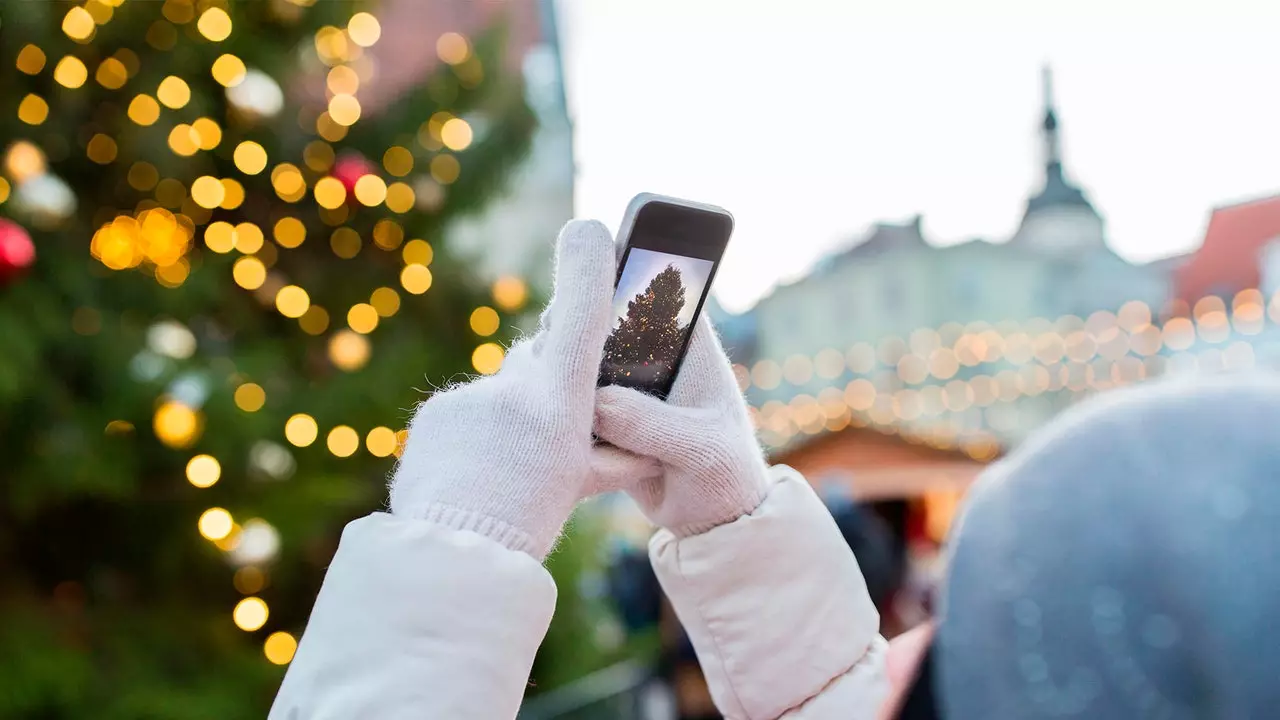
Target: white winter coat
<point>419,621</point>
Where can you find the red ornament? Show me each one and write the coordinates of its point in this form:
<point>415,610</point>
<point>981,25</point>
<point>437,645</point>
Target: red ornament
<point>351,167</point>
<point>17,252</point>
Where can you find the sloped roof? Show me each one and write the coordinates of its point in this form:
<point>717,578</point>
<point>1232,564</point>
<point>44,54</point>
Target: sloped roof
<point>1227,261</point>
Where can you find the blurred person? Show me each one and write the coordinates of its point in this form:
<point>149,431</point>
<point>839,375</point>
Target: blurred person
<point>437,608</point>
<point>1121,564</point>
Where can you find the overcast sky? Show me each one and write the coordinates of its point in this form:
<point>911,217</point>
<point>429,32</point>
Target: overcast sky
<point>812,119</point>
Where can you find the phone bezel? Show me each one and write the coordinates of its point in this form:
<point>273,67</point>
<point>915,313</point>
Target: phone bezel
<point>681,227</point>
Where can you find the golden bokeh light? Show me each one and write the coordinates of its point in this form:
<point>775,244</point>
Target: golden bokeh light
<point>510,292</point>
<point>364,29</point>
<point>101,149</point>
<point>487,358</point>
<point>417,252</point>
<point>162,35</point>
<point>173,93</point>
<point>184,140</point>
<point>220,237</point>
<point>249,238</point>
<point>301,430</point>
<point>484,321</point>
<point>370,190</point>
<point>363,318</point>
<point>78,24</point>
<point>249,580</point>
<point>208,131</point>
<point>232,195</point>
<point>400,197</point>
<point>228,70</point>
<point>214,24</point>
<point>287,180</point>
<point>289,232</point>
<point>31,60</point>
<point>172,276</point>
<point>24,160</point>
<point>415,279</point>
<point>344,109</point>
<point>4,190</point>
<point>318,155</point>
<point>398,161</point>
<point>343,441</point>
<point>330,193</point>
<point>203,471</point>
<point>345,243</point>
<point>33,110</point>
<point>328,129</point>
<point>70,72</point>
<point>215,523</point>
<point>176,425</point>
<point>249,273</point>
<point>386,301</point>
<point>445,169</point>
<point>292,301</point>
<point>453,48</point>
<point>456,134</point>
<point>251,613</point>
<point>381,442</point>
<point>250,397</point>
<point>388,234</point>
<point>348,351</point>
<point>343,80</point>
<point>279,648</point>
<point>144,110</point>
<point>208,192</point>
<point>112,74</point>
<point>314,321</point>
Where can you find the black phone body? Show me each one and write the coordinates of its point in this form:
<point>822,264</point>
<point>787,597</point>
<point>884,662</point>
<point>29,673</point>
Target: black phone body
<point>670,257</point>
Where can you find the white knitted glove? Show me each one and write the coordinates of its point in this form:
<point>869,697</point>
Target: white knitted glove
<point>508,456</point>
<point>713,469</point>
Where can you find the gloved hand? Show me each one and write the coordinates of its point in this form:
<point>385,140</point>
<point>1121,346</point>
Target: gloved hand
<point>713,470</point>
<point>508,456</point>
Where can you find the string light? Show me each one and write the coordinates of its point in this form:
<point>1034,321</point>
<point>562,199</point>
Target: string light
<point>345,243</point>
<point>386,301</point>
<point>207,192</point>
<point>364,29</point>
<point>398,161</point>
<point>208,131</point>
<point>184,140</point>
<point>509,293</point>
<point>484,321</point>
<point>292,301</point>
<point>289,232</point>
<point>250,613</point>
<point>370,190</point>
<point>330,193</point>
<point>176,425</point>
<point>250,397</point>
<point>417,252</point>
<point>348,351</point>
<point>232,194</point>
<point>203,471</point>
<point>453,48</point>
<point>249,238</point>
<point>214,24</point>
<point>415,279</point>
<point>70,72</point>
<point>487,358</point>
<point>387,234</point>
<point>362,318</point>
<point>31,60</point>
<point>33,110</point>
<point>343,441</point>
<point>279,648</point>
<point>173,93</point>
<point>456,134</point>
<point>400,197</point>
<point>78,24</point>
<point>215,524</point>
<point>249,580</point>
<point>381,442</point>
<point>249,273</point>
<point>112,74</point>
<point>314,321</point>
<point>301,430</point>
<point>445,169</point>
<point>288,183</point>
<point>344,109</point>
<point>101,149</point>
<point>228,70</point>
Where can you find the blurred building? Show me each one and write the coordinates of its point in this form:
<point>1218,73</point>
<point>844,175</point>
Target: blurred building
<point>894,281</point>
<point>515,233</point>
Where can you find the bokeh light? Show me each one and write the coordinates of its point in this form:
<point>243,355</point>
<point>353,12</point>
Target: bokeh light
<point>386,301</point>
<point>415,279</point>
<point>292,301</point>
<point>250,614</point>
<point>70,72</point>
<point>176,425</point>
<point>362,318</point>
<point>279,648</point>
<point>289,232</point>
<point>214,24</point>
<point>417,252</point>
<point>381,442</point>
<point>228,70</point>
<point>487,358</point>
<point>453,48</point>
<point>364,29</point>
<point>301,430</point>
<point>343,441</point>
<point>484,321</point>
<point>203,471</point>
<point>250,157</point>
<point>215,524</point>
<point>250,397</point>
<point>510,292</point>
<point>348,351</point>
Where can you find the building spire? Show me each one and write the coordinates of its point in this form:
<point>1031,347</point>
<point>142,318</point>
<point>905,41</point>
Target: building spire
<point>1052,142</point>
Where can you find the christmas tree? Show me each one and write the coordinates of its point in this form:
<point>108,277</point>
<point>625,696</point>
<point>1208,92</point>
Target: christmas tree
<point>218,292</point>
<point>647,340</point>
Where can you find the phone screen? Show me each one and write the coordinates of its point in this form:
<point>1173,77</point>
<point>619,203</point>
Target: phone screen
<point>664,276</point>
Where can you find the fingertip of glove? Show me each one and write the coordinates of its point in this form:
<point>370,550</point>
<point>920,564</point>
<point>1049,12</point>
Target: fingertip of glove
<point>585,232</point>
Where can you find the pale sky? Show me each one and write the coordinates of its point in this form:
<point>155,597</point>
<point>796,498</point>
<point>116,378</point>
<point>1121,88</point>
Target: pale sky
<point>812,119</point>
<point>644,265</point>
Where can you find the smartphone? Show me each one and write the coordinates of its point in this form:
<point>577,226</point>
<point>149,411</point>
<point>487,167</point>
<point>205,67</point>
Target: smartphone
<point>670,252</point>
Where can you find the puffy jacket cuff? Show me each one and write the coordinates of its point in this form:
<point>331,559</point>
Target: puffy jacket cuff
<point>774,604</point>
<point>415,618</point>
<point>496,530</point>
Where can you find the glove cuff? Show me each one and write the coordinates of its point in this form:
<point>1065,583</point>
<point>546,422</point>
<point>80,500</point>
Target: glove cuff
<point>741,501</point>
<point>459,519</point>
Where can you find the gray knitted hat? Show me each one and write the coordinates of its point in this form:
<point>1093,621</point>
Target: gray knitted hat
<point>1124,564</point>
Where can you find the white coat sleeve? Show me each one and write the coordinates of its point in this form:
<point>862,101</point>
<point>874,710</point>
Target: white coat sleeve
<point>416,620</point>
<point>777,610</point>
